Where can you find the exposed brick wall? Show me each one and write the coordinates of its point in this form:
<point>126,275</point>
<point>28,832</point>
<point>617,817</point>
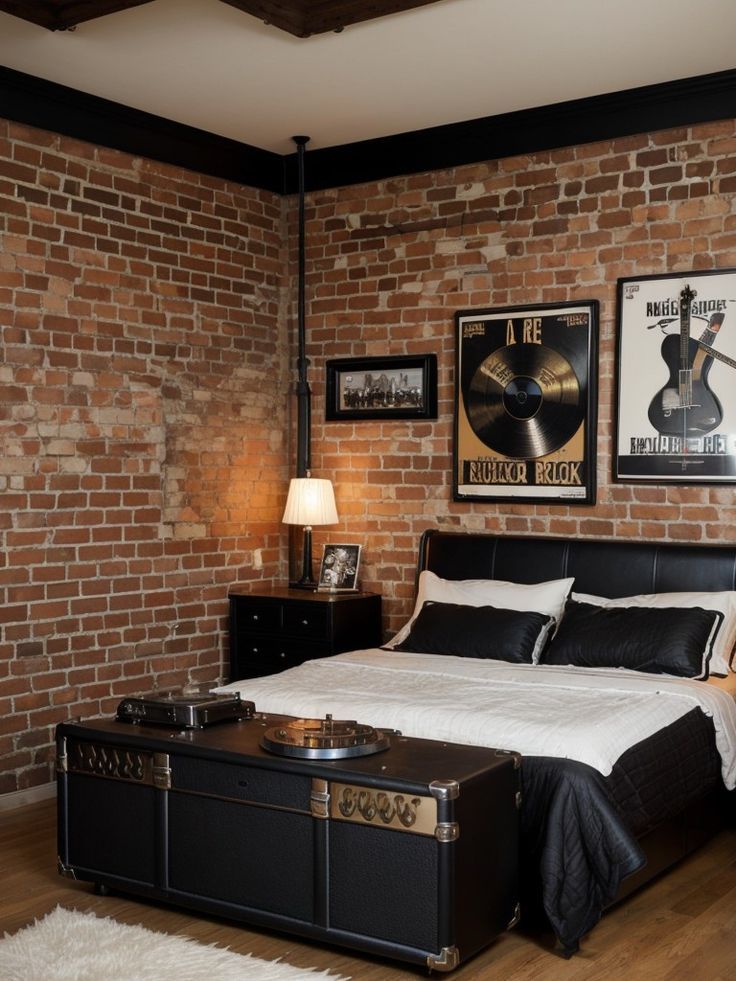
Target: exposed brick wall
<point>145,371</point>
<point>142,427</point>
<point>390,263</point>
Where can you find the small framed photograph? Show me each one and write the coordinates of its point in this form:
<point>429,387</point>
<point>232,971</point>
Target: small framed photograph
<point>338,571</point>
<point>398,387</point>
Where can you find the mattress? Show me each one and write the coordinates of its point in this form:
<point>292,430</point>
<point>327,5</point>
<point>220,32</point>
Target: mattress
<point>589,715</point>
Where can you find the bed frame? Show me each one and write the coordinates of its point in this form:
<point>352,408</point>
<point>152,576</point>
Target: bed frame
<point>613,569</point>
<point>604,568</point>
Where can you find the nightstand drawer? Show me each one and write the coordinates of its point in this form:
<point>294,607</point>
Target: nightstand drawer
<point>257,614</point>
<point>259,655</point>
<point>277,648</point>
<point>305,620</point>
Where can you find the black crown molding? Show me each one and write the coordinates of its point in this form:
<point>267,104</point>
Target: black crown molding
<point>36,102</point>
<point>685,102</point>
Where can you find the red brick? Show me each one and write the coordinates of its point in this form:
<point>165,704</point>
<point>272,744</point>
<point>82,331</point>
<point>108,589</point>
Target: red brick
<point>165,365</point>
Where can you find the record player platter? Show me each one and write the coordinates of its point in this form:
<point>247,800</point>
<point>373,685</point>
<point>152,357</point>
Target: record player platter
<point>324,739</point>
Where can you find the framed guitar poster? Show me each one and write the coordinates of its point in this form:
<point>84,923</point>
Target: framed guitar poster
<point>676,378</point>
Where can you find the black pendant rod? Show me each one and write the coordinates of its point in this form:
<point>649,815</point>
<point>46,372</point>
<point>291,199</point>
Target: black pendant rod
<point>303,394</point>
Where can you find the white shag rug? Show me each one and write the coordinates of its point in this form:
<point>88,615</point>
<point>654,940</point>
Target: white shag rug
<point>70,946</point>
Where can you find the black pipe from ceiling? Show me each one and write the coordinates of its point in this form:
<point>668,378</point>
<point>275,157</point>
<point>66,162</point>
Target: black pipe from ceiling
<point>303,393</point>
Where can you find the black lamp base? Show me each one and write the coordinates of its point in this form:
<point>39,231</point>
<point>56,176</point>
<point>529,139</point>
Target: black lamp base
<point>307,580</point>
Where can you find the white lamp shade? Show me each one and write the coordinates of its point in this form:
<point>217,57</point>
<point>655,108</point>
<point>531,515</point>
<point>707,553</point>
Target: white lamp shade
<point>311,501</point>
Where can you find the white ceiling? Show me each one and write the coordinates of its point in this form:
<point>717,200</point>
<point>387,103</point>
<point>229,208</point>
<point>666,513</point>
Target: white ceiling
<point>206,64</point>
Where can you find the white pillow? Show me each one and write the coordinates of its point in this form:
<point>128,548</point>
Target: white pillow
<point>544,597</point>
<point>725,602</point>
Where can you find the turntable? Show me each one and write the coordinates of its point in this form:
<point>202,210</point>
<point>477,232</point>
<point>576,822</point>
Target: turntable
<point>324,739</point>
<point>183,709</point>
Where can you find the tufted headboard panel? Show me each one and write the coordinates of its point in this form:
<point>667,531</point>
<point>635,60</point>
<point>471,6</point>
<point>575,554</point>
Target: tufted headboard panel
<point>605,567</point>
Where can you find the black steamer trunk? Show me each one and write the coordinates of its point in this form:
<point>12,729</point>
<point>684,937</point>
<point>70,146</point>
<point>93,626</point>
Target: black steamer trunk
<point>410,853</point>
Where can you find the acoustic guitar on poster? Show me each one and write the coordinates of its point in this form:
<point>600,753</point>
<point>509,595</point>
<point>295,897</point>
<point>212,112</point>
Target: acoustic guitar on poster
<point>686,405</point>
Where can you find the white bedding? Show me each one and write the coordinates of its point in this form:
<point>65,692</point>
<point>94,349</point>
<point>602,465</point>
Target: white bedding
<point>592,716</point>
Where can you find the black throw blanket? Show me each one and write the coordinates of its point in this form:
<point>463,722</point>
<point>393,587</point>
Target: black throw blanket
<point>579,829</point>
<point>575,842</point>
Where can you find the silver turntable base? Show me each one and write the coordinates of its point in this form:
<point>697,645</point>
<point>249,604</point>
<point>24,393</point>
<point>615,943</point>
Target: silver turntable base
<point>183,710</point>
<point>324,739</point>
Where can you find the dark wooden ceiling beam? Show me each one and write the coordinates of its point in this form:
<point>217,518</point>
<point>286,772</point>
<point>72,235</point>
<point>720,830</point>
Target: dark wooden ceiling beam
<point>301,18</point>
<point>334,15</point>
<point>287,15</point>
<point>39,13</point>
<point>60,15</point>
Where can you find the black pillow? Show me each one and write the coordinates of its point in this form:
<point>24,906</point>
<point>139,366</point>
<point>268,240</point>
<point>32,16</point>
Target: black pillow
<point>476,631</point>
<point>671,640</point>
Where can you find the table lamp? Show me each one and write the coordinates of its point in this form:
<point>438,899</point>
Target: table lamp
<point>311,501</point>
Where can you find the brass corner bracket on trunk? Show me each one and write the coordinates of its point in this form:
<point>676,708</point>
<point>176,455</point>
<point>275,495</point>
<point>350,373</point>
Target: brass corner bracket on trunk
<point>447,959</point>
<point>161,771</point>
<point>65,870</point>
<point>445,789</point>
<point>62,760</point>
<point>516,917</point>
<point>319,799</point>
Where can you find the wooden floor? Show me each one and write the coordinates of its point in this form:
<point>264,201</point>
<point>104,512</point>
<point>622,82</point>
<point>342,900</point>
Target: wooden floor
<point>683,926</point>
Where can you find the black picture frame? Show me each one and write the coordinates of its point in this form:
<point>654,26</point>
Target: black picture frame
<point>391,387</point>
<point>526,387</point>
<point>661,437</point>
<point>338,570</point>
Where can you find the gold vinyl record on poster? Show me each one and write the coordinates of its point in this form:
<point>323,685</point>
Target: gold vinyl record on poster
<point>524,401</point>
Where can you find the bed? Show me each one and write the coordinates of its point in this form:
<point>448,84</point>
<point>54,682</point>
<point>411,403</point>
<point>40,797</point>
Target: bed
<point>600,674</point>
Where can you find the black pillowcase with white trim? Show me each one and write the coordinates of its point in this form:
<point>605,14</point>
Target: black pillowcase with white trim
<point>670,640</point>
<point>476,631</point>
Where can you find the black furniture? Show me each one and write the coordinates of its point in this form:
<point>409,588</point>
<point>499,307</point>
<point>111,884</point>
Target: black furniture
<point>604,568</point>
<point>273,628</point>
<point>410,853</point>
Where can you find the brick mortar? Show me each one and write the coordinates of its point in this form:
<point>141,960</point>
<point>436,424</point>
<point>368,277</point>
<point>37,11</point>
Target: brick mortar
<point>147,367</point>
<point>389,263</point>
<point>142,421</point>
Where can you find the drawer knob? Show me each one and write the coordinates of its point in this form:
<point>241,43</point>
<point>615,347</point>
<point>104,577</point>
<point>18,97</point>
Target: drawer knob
<point>254,650</point>
<point>254,616</point>
<point>305,623</point>
<point>282,654</point>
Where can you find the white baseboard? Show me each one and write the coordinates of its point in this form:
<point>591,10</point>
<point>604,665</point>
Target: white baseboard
<point>19,798</point>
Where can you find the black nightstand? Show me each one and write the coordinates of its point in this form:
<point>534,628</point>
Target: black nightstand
<point>273,627</point>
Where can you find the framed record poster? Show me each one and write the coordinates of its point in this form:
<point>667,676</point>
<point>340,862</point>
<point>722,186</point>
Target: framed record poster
<point>525,404</point>
<point>676,384</point>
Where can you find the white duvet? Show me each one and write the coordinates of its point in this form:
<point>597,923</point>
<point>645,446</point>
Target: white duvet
<point>592,716</point>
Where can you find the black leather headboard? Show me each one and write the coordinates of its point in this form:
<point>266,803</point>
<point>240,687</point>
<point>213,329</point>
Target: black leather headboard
<point>606,568</point>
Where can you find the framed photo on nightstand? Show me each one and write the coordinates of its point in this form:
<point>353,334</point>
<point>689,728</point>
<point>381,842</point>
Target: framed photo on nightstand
<point>338,571</point>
